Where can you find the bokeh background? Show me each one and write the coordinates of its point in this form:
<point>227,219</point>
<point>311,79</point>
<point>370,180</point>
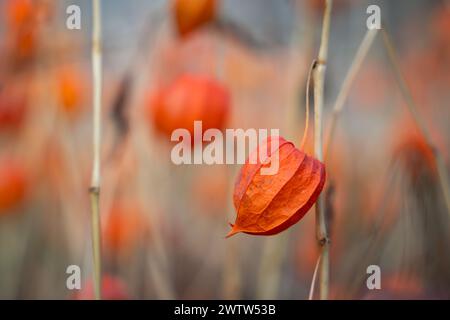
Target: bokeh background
<point>163,225</point>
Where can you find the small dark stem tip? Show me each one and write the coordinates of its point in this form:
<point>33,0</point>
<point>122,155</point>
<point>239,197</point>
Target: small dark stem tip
<point>94,190</point>
<point>322,242</point>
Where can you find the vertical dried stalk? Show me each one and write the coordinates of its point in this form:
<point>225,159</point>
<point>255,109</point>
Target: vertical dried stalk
<point>94,190</point>
<point>345,89</point>
<point>313,281</point>
<point>308,85</point>
<point>319,79</point>
<point>412,107</point>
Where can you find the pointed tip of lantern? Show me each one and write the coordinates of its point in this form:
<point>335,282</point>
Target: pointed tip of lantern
<point>233,231</point>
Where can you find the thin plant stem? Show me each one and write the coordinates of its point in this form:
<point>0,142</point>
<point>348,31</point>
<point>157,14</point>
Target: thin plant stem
<point>313,281</point>
<point>319,79</point>
<point>347,84</point>
<point>94,190</point>
<point>308,84</point>
<point>413,109</point>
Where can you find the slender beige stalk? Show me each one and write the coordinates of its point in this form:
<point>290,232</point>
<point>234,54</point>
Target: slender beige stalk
<point>346,86</point>
<point>413,109</point>
<point>313,281</point>
<point>308,84</point>
<point>319,79</point>
<point>94,190</point>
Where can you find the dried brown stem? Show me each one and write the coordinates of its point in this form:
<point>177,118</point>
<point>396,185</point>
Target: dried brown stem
<point>313,281</point>
<point>319,79</point>
<point>308,84</point>
<point>413,109</point>
<point>94,190</point>
<point>346,86</point>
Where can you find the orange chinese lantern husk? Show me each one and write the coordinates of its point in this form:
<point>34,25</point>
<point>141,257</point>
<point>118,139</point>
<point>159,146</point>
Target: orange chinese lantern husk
<point>269,204</point>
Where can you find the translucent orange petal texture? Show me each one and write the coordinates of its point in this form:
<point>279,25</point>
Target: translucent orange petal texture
<point>269,204</point>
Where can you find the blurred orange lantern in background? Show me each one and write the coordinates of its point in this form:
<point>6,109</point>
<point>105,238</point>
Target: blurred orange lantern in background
<point>24,45</point>
<point>21,17</point>
<point>19,13</point>
<point>112,289</point>
<point>22,14</point>
<point>12,107</point>
<point>13,184</point>
<point>190,98</point>
<point>192,14</point>
<point>124,227</point>
<point>412,150</point>
<point>70,90</point>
